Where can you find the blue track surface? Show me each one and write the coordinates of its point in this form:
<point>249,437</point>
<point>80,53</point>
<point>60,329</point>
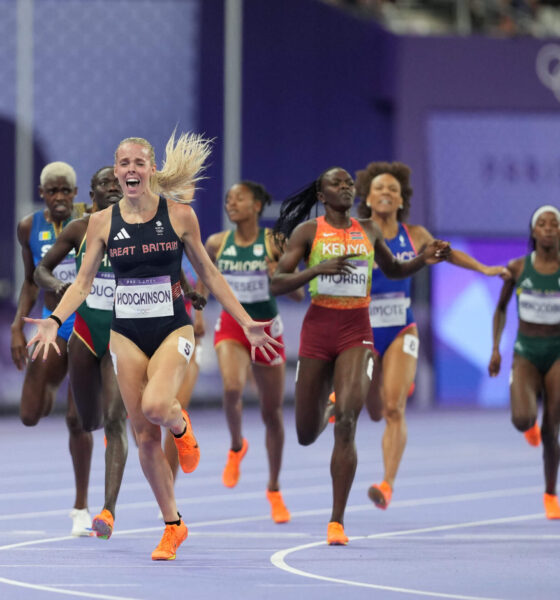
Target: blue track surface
<point>466,520</point>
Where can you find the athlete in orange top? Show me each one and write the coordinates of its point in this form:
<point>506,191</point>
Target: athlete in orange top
<point>336,343</point>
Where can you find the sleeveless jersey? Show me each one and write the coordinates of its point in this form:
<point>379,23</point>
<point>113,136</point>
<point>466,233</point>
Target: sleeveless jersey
<point>245,270</point>
<point>146,261</point>
<point>41,238</point>
<point>538,295</point>
<point>347,290</point>
<point>390,298</point>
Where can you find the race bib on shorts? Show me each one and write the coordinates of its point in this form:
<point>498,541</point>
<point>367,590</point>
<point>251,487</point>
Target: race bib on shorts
<point>185,348</point>
<point>66,270</point>
<point>249,287</point>
<point>539,307</point>
<point>388,310</point>
<point>144,298</point>
<point>102,295</point>
<point>411,344</point>
<point>276,327</point>
<point>353,284</point>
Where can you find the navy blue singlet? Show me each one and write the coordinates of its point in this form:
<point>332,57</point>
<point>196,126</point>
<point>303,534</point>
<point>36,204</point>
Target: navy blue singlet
<point>146,259</point>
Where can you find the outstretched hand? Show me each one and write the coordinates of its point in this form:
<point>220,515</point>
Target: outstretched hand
<point>258,338</point>
<point>47,330</point>
<point>503,272</point>
<point>437,251</point>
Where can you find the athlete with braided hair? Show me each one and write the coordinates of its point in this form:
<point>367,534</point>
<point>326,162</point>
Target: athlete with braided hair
<point>336,345</point>
<point>152,337</point>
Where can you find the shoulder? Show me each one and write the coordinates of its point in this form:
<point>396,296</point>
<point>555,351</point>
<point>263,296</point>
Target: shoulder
<point>215,240</point>
<point>419,234</point>
<point>516,266</point>
<point>307,229</point>
<point>99,223</point>
<point>77,227</point>
<point>372,229</point>
<point>24,226</point>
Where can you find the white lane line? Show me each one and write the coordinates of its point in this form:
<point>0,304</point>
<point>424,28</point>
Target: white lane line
<point>58,590</point>
<point>316,512</point>
<point>278,558</point>
<point>287,475</point>
<point>299,491</point>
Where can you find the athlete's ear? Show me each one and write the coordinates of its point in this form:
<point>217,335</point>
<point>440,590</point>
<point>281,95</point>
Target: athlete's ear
<point>40,188</point>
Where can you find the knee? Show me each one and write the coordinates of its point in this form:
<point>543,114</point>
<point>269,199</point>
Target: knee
<point>394,412</point>
<point>304,439</point>
<point>345,427</point>
<point>305,436</point>
<point>522,422</point>
<point>74,424</point>
<point>232,391</point>
<point>29,419</point>
<point>115,425</point>
<point>272,418</point>
<point>154,410</point>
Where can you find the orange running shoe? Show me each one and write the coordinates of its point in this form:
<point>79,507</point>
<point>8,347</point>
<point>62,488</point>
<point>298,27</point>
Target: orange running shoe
<point>231,473</point>
<point>551,506</point>
<point>336,535</point>
<point>102,524</point>
<point>332,398</point>
<point>278,510</point>
<point>380,494</point>
<point>187,447</point>
<point>173,537</point>
<point>533,435</point>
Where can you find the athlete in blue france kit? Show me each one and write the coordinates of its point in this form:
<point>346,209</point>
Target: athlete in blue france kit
<point>385,192</point>
<point>36,234</point>
<point>152,338</point>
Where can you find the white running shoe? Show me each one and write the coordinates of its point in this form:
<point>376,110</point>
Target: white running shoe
<point>81,522</point>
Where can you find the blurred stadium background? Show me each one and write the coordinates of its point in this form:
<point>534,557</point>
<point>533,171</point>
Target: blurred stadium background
<point>466,92</point>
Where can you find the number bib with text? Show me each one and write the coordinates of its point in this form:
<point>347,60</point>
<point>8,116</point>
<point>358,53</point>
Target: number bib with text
<point>144,298</point>
<point>388,310</point>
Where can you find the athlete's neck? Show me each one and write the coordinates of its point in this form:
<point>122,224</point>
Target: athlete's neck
<point>387,223</point>
<point>246,233</point>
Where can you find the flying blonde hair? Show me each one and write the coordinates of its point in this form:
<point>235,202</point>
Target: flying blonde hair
<point>182,167</point>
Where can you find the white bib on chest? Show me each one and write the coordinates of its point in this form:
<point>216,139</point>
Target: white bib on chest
<point>144,298</point>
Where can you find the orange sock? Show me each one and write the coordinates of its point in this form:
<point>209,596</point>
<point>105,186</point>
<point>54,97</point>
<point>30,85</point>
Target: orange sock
<point>551,506</point>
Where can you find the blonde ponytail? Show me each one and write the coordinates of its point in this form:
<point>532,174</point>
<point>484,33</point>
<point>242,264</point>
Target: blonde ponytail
<point>184,161</point>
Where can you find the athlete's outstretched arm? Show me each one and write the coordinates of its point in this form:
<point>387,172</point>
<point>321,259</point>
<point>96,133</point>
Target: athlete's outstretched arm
<point>422,237</point>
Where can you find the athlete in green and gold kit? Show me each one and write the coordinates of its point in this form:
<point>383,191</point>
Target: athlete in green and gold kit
<point>536,354</point>
<point>246,257</point>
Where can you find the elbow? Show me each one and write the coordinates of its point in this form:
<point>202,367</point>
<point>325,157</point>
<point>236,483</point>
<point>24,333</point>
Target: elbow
<point>37,276</point>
